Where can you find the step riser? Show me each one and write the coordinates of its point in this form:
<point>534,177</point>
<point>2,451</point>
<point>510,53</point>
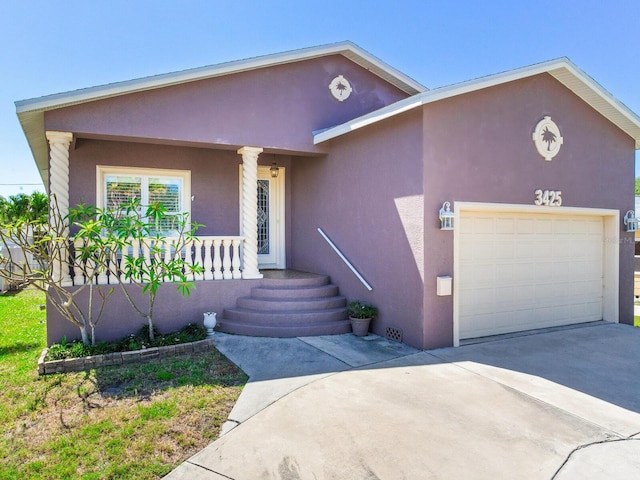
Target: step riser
<point>291,305</point>
<point>285,331</point>
<point>309,292</point>
<point>315,281</point>
<point>282,318</point>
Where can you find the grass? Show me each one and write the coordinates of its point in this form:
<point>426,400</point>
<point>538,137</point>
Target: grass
<point>131,421</point>
<point>636,321</point>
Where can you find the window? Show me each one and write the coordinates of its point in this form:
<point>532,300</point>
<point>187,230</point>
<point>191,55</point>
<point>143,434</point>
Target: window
<point>118,185</point>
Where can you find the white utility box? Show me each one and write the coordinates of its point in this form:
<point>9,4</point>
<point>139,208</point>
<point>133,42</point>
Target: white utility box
<point>444,286</point>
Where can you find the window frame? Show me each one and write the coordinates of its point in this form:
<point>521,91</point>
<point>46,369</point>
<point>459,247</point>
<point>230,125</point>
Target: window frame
<point>102,171</point>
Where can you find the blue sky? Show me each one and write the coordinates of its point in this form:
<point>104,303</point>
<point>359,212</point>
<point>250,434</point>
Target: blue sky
<point>58,46</point>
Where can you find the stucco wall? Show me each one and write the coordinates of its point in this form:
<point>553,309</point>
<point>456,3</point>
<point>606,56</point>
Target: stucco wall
<point>478,148</point>
<point>367,197</point>
<point>277,107</point>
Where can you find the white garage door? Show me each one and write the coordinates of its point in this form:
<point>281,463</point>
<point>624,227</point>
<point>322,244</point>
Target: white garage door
<point>521,271</point>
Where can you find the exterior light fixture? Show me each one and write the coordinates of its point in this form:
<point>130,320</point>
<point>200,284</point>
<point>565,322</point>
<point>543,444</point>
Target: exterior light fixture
<point>630,221</point>
<point>446,217</point>
<point>274,170</point>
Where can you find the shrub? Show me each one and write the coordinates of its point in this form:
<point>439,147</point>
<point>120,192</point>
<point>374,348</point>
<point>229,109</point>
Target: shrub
<point>357,309</point>
<point>189,333</point>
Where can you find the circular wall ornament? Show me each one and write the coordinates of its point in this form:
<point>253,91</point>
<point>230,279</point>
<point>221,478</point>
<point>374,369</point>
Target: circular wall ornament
<point>547,138</point>
<point>340,88</point>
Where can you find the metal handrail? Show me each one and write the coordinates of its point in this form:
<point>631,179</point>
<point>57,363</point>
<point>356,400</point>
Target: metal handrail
<point>344,259</point>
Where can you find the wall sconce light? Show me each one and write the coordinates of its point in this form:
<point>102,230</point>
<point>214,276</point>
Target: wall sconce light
<point>446,217</point>
<point>630,221</point>
<point>274,170</point>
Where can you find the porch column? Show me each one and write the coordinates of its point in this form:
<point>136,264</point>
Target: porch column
<point>250,211</point>
<point>59,143</point>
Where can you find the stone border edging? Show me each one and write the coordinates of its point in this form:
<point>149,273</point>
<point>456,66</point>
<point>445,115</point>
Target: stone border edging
<point>119,358</point>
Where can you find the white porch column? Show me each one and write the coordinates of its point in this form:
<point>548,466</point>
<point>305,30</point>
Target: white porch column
<point>250,211</point>
<point>59,143</point>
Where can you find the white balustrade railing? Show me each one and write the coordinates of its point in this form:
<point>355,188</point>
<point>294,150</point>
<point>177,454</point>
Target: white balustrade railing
<point>220,258</point>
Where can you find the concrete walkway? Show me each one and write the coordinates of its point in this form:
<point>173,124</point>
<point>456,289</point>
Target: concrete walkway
<point>560,405</point>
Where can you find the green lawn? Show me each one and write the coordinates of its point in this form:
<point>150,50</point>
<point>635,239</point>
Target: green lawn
<point>636,321</point>
<point>132,421</point>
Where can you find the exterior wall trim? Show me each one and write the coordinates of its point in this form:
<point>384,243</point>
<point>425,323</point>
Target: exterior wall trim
<point>611,253</point>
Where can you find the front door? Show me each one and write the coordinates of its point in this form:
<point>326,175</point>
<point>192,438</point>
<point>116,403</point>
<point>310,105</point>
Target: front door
<point>271,232</point>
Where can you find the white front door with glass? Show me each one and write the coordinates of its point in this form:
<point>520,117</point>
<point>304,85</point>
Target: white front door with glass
<point>270,218</point>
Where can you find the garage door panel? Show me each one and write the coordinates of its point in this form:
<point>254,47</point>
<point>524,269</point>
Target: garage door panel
<point>484,250</point>
<point>525,226</point>
<point>505,225</point>
<point>484,224</point>
<point>543,226</point>
<point>520,271</point>
<point>540,249</point>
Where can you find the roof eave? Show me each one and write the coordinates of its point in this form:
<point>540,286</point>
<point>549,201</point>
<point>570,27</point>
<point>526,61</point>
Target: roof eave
<point>32,124</point>
<point>347,49</point>
<point>31,111</point>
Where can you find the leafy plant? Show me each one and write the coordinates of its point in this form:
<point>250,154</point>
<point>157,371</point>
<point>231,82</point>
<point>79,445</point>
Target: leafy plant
<point>140,340</point>
<point>357,309</point>
<point>124,245</point>
<point>30,208</point>
<point>147,258</point>
<point>36,253</point>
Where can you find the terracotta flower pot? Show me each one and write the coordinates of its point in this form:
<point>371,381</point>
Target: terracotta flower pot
<point>360,326</point>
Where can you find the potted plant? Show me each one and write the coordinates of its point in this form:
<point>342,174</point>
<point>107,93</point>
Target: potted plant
<point>360,315</point>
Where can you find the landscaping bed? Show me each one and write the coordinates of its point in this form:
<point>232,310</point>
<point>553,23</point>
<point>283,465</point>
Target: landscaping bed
<point>74,356</point>
<point>46,367</point>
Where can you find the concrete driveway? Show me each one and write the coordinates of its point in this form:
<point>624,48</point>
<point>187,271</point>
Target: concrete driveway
<point>558,405</point>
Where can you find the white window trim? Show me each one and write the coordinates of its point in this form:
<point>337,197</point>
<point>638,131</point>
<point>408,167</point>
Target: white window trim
<point>185,175</point>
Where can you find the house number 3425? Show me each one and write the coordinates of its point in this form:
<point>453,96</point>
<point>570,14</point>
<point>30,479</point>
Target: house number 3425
<point>550,198</point>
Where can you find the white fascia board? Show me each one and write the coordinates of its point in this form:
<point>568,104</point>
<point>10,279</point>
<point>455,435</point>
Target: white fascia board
<point>592,93</point>
<point>368,119</point>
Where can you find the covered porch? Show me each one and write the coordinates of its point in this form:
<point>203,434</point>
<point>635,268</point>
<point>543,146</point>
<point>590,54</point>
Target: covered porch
<point>223,257</point>
<point>246,284</point>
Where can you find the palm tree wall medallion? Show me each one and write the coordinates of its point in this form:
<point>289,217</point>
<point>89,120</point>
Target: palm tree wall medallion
<point>340,88</point>
<point>547,138</point>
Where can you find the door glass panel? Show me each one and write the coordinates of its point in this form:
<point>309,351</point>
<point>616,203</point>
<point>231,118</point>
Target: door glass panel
<point>263,217</point>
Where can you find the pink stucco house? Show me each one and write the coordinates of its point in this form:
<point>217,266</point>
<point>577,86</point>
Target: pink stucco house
<point>537,165</point>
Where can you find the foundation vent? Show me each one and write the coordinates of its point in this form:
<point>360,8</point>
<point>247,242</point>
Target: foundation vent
<point>394,334</point>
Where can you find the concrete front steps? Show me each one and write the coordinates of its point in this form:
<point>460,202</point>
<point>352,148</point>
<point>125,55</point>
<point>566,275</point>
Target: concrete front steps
<point>304,305</point>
